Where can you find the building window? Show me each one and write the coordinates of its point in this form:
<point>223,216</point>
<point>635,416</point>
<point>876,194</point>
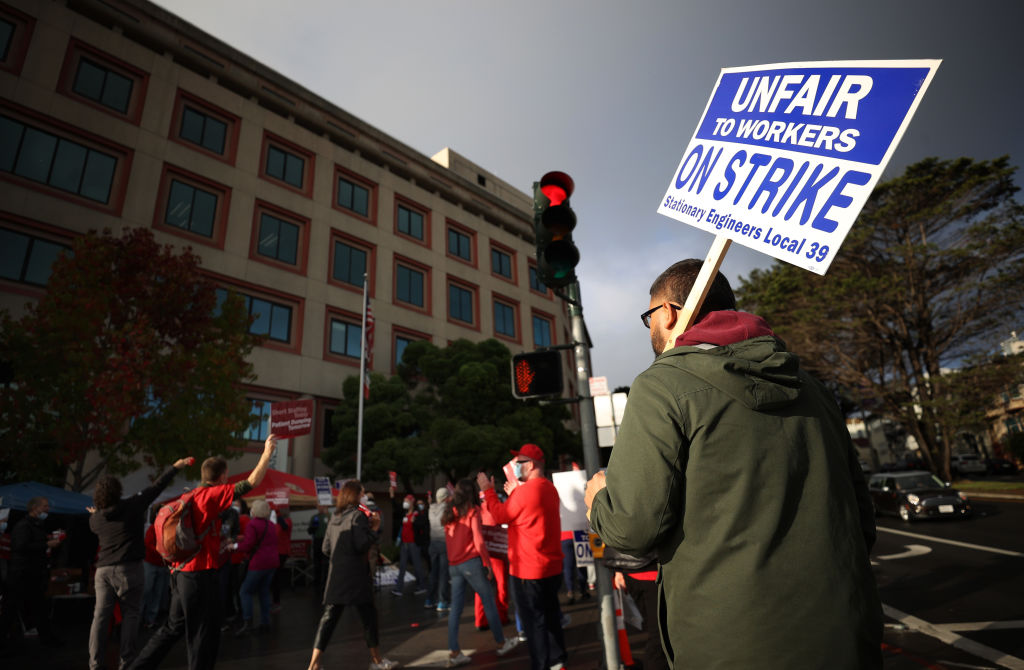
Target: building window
<point>346,338</point>
<point>270,319</point>
<point>259,428</point>
<point>287,164</point>
<point>1014,424</point>
<point>410,222</point>
<point>536,284</point>
<point>103,81</point>
<point>6,37</point>
<point>191,206</point>
<point>400,344</point>
<point>462,302</point>
<point>15,34</point>
<point>350,259</point>
<point>200,125</point>
<point>103,85</point>
<point>41,156</point>
<point>460,244</point>
<point>279,237</point>
<point>505,319</point>
<point>542,331</point>
<point>355,195</point>
<point>409,285</point>
<point>202,129</point>
<point>503,262</point>
<point>350,263</point>
<point>27,259</point>
<point>402,338</point>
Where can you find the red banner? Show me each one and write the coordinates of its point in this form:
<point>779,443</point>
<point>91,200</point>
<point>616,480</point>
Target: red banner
<point>291,419</point>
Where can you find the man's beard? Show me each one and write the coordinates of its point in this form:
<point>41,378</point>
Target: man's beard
<point>658,339</point>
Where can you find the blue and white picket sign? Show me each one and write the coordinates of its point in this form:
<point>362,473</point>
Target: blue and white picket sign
<point>786,155</point>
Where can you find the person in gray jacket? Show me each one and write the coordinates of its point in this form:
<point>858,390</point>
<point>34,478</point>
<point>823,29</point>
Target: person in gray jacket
<point>736,467</point>
<point>440,581</point>
<point>120,576</point>
<point>351,532</point>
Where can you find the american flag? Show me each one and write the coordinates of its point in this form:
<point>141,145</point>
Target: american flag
<point>369,347</point>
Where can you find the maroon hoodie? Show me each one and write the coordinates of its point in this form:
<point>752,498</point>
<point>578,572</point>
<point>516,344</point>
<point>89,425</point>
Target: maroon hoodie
<point>724,327</point>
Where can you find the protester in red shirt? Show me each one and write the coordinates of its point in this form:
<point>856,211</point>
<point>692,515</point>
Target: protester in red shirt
<point>469,563</point>
<point>195,611</point>
<point>534,552</point>
<point>408,549</point>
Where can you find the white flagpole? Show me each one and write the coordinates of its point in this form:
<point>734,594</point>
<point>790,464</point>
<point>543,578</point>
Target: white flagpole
<point>362,372</point>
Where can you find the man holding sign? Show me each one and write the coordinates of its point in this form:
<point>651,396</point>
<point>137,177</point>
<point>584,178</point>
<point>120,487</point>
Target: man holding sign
<point>736,467</point>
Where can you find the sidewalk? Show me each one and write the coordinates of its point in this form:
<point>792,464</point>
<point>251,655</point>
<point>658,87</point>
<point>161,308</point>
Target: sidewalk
<point>417,638</point>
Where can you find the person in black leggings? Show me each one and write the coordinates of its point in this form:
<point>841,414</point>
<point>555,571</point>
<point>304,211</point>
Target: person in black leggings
<point>351,533</point>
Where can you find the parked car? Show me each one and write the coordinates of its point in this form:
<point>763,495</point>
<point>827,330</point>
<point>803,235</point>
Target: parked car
<point>1000,466</point>
<point>903,465</point>
<point>915,495</point>
<point>966,464</point>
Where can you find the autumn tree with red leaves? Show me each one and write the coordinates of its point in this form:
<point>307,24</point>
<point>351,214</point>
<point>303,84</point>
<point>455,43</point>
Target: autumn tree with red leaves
<point>126,360</point>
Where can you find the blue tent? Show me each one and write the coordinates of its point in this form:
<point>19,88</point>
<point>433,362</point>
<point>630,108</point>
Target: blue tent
<point>62,501</point>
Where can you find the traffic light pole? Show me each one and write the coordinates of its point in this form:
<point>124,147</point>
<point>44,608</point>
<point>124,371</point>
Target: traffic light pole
<point>592,462</point>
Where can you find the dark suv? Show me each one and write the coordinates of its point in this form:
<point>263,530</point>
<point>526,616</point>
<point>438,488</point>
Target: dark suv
<point>916,495</point>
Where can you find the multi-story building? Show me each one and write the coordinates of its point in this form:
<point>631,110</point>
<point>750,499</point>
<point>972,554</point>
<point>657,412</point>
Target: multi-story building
<point>117,114</point>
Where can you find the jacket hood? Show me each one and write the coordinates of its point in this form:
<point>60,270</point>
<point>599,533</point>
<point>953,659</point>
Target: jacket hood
<point>336,517</point>
<point>748,362</point>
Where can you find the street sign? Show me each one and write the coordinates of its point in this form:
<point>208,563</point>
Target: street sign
<point>786,155</point>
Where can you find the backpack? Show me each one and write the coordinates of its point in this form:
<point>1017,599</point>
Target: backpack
<point>176,538</point>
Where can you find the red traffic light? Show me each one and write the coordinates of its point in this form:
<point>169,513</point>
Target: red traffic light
<point>537,373</point>
<point>557,186</point>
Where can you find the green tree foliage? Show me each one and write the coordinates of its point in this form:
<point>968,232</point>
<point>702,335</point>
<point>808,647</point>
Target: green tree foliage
<point>448,411</point>
<point>931,274</point>
<point>127,356</point>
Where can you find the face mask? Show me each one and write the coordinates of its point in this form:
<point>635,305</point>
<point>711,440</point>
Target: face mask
<point>364,501</point>
<point>420,507</point>
<point>517,469</point>
<point>237,508</point>
<point>43,515</point>
<point>405,505</point>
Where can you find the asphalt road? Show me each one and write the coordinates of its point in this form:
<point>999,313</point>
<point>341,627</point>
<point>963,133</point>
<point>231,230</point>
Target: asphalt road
<point>960,583</point>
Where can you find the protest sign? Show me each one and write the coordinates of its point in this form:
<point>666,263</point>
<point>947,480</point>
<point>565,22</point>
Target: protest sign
<point>786,155</point>
<point>277,497</point>
<point>581,547</point>
<point>324,495</point>
<point>571,486</point>
<point>291,419</point>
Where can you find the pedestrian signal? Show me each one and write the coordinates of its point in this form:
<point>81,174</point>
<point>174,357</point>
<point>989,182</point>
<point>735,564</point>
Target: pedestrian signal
<point>536,374</point>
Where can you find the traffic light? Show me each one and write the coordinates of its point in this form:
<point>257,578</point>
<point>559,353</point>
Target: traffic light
<point>553,221</point>
<point>536,373</point>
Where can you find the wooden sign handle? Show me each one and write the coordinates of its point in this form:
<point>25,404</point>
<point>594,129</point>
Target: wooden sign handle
<point>695,300</point>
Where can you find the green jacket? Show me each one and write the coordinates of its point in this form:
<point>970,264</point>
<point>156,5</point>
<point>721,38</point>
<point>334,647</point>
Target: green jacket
<point>737,468</point>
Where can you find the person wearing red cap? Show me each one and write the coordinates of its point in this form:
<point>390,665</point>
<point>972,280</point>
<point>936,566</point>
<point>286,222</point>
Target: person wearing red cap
<point>408,549</point>
<point>534,552</point>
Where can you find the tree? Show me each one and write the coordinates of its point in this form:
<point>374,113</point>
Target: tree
<point>448,411</point>
<point>127,355</point>
<point>931,274</point>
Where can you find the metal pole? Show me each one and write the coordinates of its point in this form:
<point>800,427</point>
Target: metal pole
<point>592,462</point>
<point>362,373</point>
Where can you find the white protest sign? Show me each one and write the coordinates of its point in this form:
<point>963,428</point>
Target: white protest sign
<point>570,486</point>
<point>786,155</point>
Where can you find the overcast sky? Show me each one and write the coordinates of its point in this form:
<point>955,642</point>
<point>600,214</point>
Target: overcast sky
<point>611,91</point>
